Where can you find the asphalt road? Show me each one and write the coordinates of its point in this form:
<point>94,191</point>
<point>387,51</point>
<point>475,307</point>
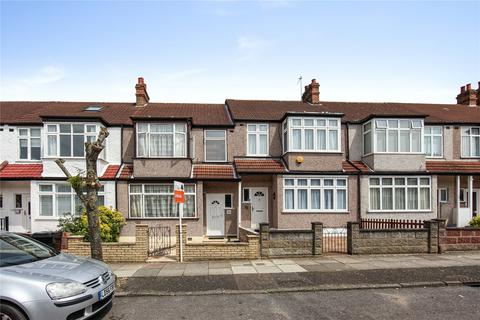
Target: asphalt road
<point>459,302</point>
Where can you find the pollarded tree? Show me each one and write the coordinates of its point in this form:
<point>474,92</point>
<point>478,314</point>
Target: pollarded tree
<point>86,187</point>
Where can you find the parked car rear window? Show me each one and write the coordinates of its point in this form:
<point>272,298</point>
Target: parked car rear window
<point>15,250</point>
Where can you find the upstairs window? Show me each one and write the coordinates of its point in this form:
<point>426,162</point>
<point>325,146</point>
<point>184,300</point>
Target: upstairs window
<point>471,142</point>
<point>257,139</point>
<point>215,146</point>
<point>311,134</point>
<point>162,140</point>
<point>433,141</point>
<point>29,141</point>
<point>393,136</point>
<point>68,140</point>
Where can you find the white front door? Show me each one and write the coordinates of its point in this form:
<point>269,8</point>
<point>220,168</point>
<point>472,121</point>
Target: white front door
<point>215,214</point>
<point>259,199</point>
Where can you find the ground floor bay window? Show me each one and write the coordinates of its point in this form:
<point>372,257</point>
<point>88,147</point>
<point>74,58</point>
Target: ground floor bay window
<point>315,194</point>
<point>156,201</point>
<point>399,194</point>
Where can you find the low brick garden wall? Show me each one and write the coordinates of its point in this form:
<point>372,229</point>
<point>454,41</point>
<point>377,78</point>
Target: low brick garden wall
<point>286,243</point>
<point>380,241</point>
<point>114,252</point>
<point>459,239</point>
<point>247,248</point>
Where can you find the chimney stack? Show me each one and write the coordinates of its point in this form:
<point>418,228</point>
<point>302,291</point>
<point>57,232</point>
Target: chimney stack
<point>469,96</point>
<point>141,93</point>
<point>312,92</point>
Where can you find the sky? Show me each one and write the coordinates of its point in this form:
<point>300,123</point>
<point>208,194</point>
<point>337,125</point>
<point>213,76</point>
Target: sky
<point>209,51</point>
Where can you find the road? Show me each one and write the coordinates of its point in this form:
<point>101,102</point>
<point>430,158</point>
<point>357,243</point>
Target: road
<point>407,303</point>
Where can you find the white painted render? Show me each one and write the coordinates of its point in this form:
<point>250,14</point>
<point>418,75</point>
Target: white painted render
<point>18,218</point>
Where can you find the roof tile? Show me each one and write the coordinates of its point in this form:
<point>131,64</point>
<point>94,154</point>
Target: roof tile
<point>110,171</point>
<point>22,171</point>
<point>212,171</point>
<point>453,167</point>
<point>261,165</point>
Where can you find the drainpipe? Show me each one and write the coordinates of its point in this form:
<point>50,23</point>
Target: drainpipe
<point>239,208</point>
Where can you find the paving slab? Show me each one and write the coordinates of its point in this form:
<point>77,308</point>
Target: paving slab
<point>170,273</point>
<point>240,263</point>
<point>146,272</point>
<point>282,261</point>
<point>220,271</point>
<point>219,265</point>
<point>243,269</point>
<point>196,270</point>
<point>291,268</point>
<point>268,269</point>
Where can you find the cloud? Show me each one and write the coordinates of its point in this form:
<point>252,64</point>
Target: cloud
<point>249,48</point>
<point>45,75</point>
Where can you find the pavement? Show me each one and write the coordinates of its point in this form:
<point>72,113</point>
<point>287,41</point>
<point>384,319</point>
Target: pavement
<point>299,274</point>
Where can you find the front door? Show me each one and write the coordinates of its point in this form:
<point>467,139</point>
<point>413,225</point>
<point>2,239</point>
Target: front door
<point>215,214</point>
<point>259,199</point>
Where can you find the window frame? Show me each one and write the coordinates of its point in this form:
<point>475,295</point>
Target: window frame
<point>432,135</point>
<point>288,126</point>
<point>29,138</point>
<point>231,200</point>
<point>413,125</point>
<point>393,186</point>
<point>309,187</point>
<point>471,137</point>
<point>257,134</point>
<point>214,139</point>
<point>249,195</point>
<point>148,133</point>
<point>440,200</point>
<point>143,193</point>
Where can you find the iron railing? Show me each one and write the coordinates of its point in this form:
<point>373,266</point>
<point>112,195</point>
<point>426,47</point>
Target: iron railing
<point>334,240</point>
<point>159,241</point>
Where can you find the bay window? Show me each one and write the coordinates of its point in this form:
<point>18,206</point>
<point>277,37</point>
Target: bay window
<point>257,139</point>
<point>311,134</point>
<point>315,194</point>
<point>162,140</point>
<point>68,140</point>
<point>433,141</point>
<point>29,141</point>
<point>471,142</point>
<point>215,145</point>
<point>392,136</point>
<point>58,199</point>
<point>157,201</point>
<point>399,194</point>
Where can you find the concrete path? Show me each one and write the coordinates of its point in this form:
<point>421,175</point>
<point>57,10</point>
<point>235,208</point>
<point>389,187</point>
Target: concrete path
<point>331,263</point>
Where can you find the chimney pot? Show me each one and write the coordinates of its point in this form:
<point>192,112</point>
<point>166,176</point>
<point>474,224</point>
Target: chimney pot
<point>469,86</point>
<point>462,89</point>
<point>140,80</point>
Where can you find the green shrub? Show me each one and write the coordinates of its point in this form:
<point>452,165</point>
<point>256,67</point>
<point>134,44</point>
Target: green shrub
<point>111,222</point>
<point>475,222</point>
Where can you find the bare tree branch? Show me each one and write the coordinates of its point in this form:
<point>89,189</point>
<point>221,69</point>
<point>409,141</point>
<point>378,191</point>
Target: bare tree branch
<point>60,163</point>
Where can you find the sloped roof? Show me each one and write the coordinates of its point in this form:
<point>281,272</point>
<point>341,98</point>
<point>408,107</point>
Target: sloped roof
<point>110,171</point>
<point>259,165</point>
<point>213,171</point>
<point>453,167</point>
<point>21,171</point>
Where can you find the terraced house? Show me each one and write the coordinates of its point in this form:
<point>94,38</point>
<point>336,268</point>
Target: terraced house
<point>245,162</point>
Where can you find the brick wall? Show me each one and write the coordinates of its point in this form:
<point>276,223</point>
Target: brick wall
<point>459,239</point>
<point>248,248</point>
<point>382,241</point>
<point>284,243</point>
<point>115,251</point>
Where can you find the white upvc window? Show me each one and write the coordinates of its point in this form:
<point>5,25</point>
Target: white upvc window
<point>162,140</point>
<point>433,138</point>
<point>29,142</point>
<point>470,142</point>
<point>58,199</point>
<point>67,140</point>
<point>443,195</point>
<point>215,145</point>
<point>257,139</point>
<point>315,194</point>
<point>399,194</point>
<point>393,136</point>
<point>311,134</point>
<point>156,201</point>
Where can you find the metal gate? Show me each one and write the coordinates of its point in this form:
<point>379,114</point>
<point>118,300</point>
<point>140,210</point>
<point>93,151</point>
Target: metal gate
<point>159,241</point>
<point>334,240</point>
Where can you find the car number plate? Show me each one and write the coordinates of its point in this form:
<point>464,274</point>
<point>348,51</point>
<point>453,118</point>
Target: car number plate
<point>105,292</point>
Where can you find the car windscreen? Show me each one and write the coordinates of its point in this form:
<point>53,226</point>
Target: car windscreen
<point>15,250</point>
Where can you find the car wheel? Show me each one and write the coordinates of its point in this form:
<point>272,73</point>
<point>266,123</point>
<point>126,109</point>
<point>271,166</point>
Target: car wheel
<point>9,312</point>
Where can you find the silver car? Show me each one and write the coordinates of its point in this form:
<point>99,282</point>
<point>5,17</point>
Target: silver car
<point>39,283</point>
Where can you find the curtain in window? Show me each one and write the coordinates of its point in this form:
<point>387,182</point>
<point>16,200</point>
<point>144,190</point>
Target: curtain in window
<point>424,198</point>
<point>180,146</point>
<point>64,204</point>
<point>297,139</point>
<point>136,205</point>
<point>475,146</point>
<point>215,150</point>
<point>400,199</point>
<point>309,139</point>
<point>315,199</point>
<point>328,198</point>
<point>302,199</point>
<point>52,145</point>
<point>161,145</point>
<point>153,206</point>
<point>142,144</point>
<point>252,144</point>
<point>437,146</point>
<point>416,141</point>
<point>321,140</point>
<point>393,141</point>
<point>341,199</point>
<point>375,199</point>
<point>46,205</point>
<point>428,145</point>
<point>412,196</point>
<point>333,139</point>
<point>263,144</point>
<point>381,140</point>
<point>289,199</point>
<point>387,198</point>
<point>189,207</point>
<point>404,141</point>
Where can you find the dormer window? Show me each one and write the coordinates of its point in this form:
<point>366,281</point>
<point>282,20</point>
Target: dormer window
<point>393,136</point>
<point>162,140</point>
<point>311,134</point>
<point>68,140</point>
